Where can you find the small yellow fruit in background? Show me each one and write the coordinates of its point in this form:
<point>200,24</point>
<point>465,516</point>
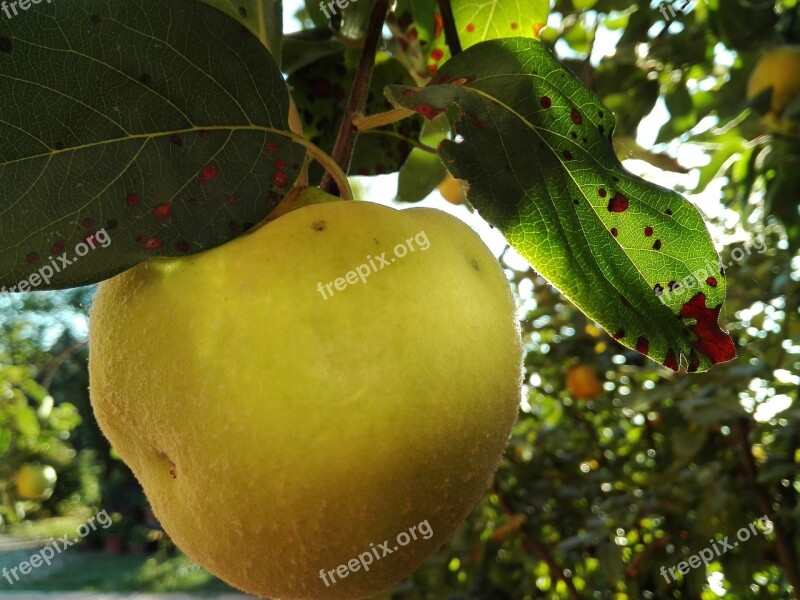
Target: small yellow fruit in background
<point>582,382</point>
<point>35,482</point>
<point>282,436</point>
<point>779,69</point>
<point>452,190</point>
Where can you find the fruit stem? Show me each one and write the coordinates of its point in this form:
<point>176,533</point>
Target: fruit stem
<point>332,168</point>
<point>346,140</point>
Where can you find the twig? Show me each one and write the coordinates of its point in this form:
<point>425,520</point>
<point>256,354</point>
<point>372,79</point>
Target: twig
<point>783,548</point>
<point>450,30</point>
<point>533,546</point>
<point>345,142</point>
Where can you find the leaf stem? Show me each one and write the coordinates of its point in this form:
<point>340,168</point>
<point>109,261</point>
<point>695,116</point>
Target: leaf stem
<point>450,29</point>
<point>332,168</point>
<point>345,142</point>
<point>363,123</point>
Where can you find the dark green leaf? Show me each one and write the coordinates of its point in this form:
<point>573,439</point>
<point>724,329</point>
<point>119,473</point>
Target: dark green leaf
<point>264,18</point>
<point>608,240</point>
<point>165,148</point>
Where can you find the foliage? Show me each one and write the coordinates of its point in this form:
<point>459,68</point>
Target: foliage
<point>593,497</point>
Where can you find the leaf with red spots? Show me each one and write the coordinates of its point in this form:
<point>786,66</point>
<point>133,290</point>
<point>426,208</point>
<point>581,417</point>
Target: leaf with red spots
<point>320,92</point>
<point>138,151</point>
<point>481,20</point>
<point>535,147</point>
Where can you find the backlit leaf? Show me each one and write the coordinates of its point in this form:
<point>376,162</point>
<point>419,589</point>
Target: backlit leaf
<point>611,242</point>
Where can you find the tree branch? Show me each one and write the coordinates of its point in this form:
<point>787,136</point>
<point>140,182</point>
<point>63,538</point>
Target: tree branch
<point>783,546</point>
<point>345,142</point>
<point>534,547</point>
<point>450,30</point>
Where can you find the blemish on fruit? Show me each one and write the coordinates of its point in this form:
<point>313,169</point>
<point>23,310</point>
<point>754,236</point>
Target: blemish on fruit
<point>642,345</point>
<point>618,204</point>
<point>576,116</point>
<point>318,226</point>
<point>208,174</point>
<point>546,102</point>
<point>162,211</point>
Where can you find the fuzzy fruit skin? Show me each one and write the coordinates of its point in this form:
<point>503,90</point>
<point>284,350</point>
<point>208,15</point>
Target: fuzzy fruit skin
<point>277,433</point>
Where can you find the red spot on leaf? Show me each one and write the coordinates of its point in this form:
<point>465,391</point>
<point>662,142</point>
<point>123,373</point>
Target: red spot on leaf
<point>153,244</point>
<point>32,258</point>
<point>437,54</point>
<point>618,204</point>
<point>479,125</point>
<point>280,164</point>
<point>470,27</point>
<point>515,26</point>
<point>642,345</point>
<point>614,231</point>
<point>202,134</point>
<point>602,192</point>
<point>58,247</point>
<point>162,211</point>
<point>711,341</point>
<point>133,200</point>
<point>176,139</point>
<point>576,116</point>
<point>648,231</point>
<point>438,25</point>
<point>711,281</point>
<point>546,102</point>
<point>410,92</point>
<point>87,223</point>
<point>232,200</point>
<point>208,174</point>
<point>668,212</point>
<point>619,334</point>
<point>657,245</point>
<point>272,146</point>
<point>427,111</point>
<point>671,361</point>
<point>567,155</point>
<point>280,179</point>
<point>183,246</point>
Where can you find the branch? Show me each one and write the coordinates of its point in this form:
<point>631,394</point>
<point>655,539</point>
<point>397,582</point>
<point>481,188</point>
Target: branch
<point>533,546</point>
<point>450,30</point>
<point>783,546</point>
<point>345,142</point>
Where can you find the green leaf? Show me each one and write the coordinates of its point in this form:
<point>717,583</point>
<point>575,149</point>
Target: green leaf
<point>481,20</point>
<point>609,241</point>
<point>321,90</point>
<point>304,47</point>
<point>264,19</point>
<point>165,148</point>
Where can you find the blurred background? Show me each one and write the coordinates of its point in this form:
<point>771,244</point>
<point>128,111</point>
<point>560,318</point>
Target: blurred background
<point>617,467</point>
